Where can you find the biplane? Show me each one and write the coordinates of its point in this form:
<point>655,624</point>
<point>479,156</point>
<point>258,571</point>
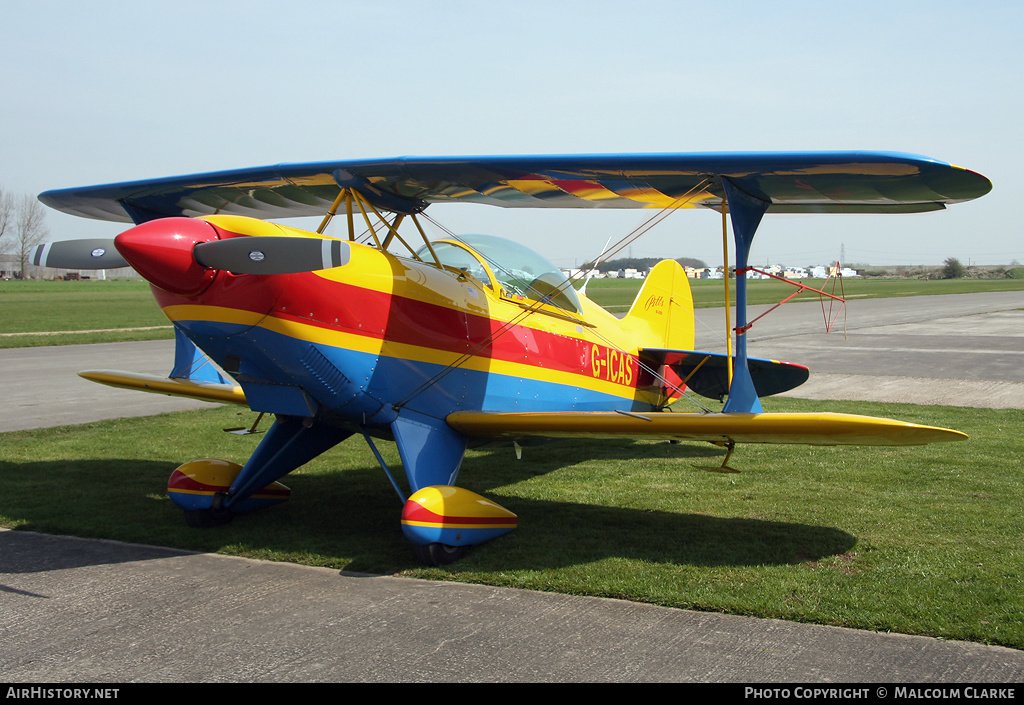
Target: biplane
<point>438,345</point>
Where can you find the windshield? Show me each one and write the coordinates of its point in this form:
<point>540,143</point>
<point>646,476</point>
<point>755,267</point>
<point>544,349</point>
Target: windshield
<point>519,270</point>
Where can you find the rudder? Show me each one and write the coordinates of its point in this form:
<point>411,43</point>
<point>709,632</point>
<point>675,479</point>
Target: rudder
<point>662,313</point>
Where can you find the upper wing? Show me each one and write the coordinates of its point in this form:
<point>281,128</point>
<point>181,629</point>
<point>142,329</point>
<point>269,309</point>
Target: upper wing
<point>850,182</point>
<point>808,429</point>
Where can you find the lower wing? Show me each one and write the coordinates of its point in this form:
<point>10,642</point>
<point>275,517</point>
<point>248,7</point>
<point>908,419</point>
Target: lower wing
<point>173,386</point>
<point>798,428</point>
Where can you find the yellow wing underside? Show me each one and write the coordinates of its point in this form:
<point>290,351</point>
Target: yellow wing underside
<point>802,428</point>
<point>203,391</point>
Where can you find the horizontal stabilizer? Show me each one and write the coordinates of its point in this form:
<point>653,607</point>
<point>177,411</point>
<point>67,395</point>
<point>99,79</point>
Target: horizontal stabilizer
<point>824,429</point>
<point>203,391</point>
<point>707,374</point>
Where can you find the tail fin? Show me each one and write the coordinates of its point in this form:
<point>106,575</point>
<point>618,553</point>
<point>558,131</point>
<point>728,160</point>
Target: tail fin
<point>662,314</point>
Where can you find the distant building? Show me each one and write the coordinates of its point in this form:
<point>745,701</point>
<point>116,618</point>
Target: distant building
<point>10,268</point>
<point>822,272</point>
<point>9,264</point>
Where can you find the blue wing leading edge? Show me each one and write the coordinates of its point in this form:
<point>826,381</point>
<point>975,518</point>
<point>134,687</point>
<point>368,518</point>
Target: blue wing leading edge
<point>792,182</point>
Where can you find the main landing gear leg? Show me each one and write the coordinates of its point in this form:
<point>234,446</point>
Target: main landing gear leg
<point>442,521</point>
<point>212,491</point>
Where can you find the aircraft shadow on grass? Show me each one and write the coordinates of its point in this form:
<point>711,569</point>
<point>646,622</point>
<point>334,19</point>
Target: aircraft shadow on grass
<point>346,514</point>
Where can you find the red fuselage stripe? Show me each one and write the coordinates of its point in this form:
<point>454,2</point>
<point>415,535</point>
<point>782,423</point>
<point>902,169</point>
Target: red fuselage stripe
<point>421,514</point>
<point>311,300</point>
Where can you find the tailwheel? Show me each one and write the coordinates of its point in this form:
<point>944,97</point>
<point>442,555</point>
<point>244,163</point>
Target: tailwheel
<point>435,554</point>
<point>724,467</point>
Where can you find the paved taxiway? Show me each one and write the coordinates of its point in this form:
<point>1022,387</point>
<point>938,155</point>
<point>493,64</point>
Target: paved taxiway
<point>73,610</point>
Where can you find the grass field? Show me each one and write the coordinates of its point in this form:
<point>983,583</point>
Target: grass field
<point>918,541</point>
<point>97,312</point>
<point>617,294</point>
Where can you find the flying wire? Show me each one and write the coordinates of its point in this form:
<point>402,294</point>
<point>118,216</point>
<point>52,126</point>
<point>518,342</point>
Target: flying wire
<point>528,310</point>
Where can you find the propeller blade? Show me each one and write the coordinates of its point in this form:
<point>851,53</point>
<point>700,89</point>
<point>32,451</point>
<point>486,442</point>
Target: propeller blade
<point>78,254</point>
<point>272,255</point>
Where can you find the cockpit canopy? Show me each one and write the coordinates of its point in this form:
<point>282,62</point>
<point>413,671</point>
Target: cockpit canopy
<point>517,270</point>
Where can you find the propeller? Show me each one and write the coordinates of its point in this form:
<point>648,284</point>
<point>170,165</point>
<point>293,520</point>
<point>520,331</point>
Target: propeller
<point>78,254</point>
<point>183,256</point>
<point>271,254</point>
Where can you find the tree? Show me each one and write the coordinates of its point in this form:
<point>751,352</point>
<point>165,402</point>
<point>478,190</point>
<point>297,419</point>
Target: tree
<point>692,262</point>
<point>640,263</point>
<point>953,269</point>
<point>6,217</point>
<point>29,228</point>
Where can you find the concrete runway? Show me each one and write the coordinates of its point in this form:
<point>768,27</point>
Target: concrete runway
<point>100,612</point>
<point>79,611</point>
<point>40,387</point>
<point>955,350</point>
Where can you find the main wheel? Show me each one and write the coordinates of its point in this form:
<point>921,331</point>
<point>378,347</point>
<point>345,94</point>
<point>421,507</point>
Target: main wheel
<point>435,554</point>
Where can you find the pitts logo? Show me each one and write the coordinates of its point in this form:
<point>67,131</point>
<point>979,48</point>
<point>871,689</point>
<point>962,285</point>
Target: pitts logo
<point>611,365</point>
<point>655,302</point>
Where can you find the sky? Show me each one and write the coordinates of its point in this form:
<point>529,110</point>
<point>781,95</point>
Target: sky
<point>104,92</point>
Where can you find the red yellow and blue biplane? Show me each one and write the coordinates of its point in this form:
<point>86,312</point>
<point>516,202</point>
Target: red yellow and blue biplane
<point>441,344</point>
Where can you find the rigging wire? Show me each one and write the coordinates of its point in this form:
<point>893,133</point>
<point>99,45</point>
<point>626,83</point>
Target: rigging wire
<point>624,242</point>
